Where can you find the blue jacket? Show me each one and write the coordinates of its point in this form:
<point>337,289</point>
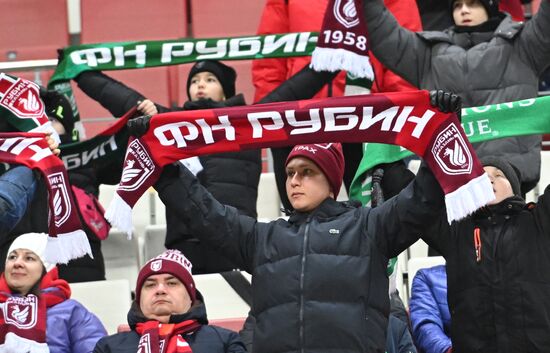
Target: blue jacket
<point>17,188</point>
<point>71,328</point>
<point>430,316</point>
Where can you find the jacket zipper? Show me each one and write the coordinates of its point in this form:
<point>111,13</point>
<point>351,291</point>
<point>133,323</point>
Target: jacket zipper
<point>306,236</point>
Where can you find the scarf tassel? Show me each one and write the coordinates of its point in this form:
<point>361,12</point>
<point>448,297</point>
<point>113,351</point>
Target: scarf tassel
<point>14,343</point>
<point>469,197</point>
<point>334,59</point>
<point>67,246</point>
<point>119,214</point>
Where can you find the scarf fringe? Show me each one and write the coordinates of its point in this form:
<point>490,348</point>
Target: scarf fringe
<point>330,59</point>
<point>47,128</point>
<point>119,214</point>
<point>14,343</point>
<point>468,198</point>
<point>67,246</point>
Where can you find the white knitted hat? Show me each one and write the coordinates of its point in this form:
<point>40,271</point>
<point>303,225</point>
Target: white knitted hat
<point>35,242</point>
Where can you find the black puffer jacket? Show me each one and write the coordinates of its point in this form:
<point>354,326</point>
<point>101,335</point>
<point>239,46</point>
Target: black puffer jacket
<point>499,304</point>
<point>319,279</point>
<point>231,177</point>
<point>207,339</point>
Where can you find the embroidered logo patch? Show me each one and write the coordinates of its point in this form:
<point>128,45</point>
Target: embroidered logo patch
<point>156,265</point>
<point>451,152</point>
<point>139,166</point>
<point>345,12</point>
<point>21,311</point>
<point>21,97</point>
<point>61,204</point>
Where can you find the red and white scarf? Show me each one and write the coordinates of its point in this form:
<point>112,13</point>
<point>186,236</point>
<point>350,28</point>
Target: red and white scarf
<point>21,106</point>
<point>66,240</point>
<point>342,42</point>
<point>23,318</point>
<point>165,338</point>
<point>406,119</point>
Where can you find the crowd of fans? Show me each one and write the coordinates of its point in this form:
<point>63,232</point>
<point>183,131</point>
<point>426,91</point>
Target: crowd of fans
<point>312,290</point>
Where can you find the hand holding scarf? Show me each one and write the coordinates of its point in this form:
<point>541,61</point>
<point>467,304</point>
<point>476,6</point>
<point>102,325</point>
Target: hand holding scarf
<point>406,119</point>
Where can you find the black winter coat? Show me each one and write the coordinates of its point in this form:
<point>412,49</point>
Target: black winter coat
<point>231,177</point>
<point>319,279</point>
<point>500,303</point>
<point>207,339</point>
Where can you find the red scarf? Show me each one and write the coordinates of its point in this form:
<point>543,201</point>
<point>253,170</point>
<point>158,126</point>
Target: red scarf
<point>23,318</point>
<point>342,43</point>
<point>21,106</point>
<point>165,338</point>
<point>67,240</point>
<point>406,119</point>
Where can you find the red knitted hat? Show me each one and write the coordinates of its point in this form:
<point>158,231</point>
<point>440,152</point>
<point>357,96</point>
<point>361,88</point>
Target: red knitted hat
<point>328,157</point>
<point>172,262</point>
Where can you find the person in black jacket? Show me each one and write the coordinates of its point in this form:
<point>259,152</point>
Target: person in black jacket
<point>231,177</point>
<point>498,283</point>
<point>319,279</point>
<point>168,314</point>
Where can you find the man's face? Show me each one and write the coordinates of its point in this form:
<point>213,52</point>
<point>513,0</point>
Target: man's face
<point>469,13</point>
<point>306,185</point>
<point>163,295</point>
<point>501,186</point>
<point>206,85</point>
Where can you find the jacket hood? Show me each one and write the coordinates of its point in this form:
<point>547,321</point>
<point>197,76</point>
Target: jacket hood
<point>196,312</point>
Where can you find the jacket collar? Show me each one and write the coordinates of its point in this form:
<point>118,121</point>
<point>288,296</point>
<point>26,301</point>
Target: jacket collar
<point>327,209</point>
<point>507,28</point>
<point>196,312</point>
<point>509,206</point>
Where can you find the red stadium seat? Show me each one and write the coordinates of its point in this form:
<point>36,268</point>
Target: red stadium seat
<point>128,20</point>
<point>214,18</point>
<point>33,29</point>
<point>235,324</point>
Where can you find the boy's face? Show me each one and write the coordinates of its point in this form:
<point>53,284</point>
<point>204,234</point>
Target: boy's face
<point>306,185</point>
<point>206,85</point>
<point>469,13</point>
<point>501,186</point>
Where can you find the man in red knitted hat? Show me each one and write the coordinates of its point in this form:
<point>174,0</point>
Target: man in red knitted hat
<point>319,279</point>
<point>168,314</point>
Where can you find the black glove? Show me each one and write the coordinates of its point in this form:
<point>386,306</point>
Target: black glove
<point>447,102</point>
<point>138,126</point>
<point>202,104</point>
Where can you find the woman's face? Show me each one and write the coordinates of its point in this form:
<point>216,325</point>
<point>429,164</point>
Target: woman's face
<point>23,270</point>
<point>206,85</point>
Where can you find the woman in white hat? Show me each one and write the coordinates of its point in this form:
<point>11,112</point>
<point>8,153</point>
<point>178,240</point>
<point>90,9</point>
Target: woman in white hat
<point>36,313</point>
